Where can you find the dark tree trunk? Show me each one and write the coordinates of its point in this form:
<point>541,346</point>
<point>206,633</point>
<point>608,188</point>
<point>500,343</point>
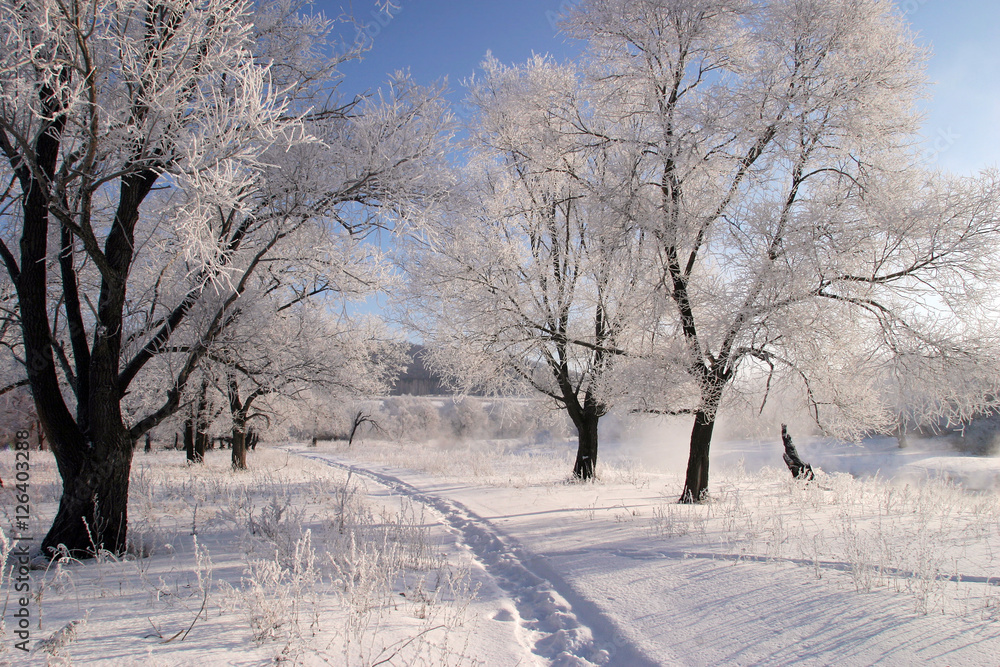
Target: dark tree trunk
<point>355,423</point>
<point>196,427</point>
<point>239,443</point>
<point>239,410</point>
<point>360,417</point>
<point>93,509</point>
<point>585,466</point>
<point>189,448</point>
<point>93,449</point>
<point>200,444</point>
<point>93,452</point>
<point>696,480</point>
<point>799,468</point>
<point>149,444</point>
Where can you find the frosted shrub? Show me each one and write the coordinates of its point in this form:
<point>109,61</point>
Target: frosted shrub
<point>467,418</point>
<point>277,523</point>
<point>368,563</point>
<point>673,520</point>
<point>307,567</point>
<point>407,531</point>
<point>55,645</point>
<point>360,575</point>
<point>370,556</point>
<point>276,597</point>
<point>412,418</point>
<point>275,527</point>
<point>145,536</point>
<point>865,552</point>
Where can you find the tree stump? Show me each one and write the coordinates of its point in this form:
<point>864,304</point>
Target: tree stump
<point>798,468</point>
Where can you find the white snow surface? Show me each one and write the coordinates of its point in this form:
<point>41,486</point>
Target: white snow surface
<point>896,563</point>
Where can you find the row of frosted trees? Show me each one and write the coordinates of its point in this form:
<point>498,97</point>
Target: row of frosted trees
<point>185,200</point>
<point>717,198</point>
<point>721,199</point>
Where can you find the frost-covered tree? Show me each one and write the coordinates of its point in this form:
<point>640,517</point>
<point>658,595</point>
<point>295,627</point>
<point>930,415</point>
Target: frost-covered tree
<point>163,155</point>
<point>534,278</point>
<point>296,350</point>
<point>796,238</point>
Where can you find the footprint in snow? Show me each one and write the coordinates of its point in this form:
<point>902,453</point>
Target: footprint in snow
<point>504,615</point>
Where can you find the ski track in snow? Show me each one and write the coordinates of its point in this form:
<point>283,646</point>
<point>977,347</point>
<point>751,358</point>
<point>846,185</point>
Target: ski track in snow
<point>839,566</point>
<point>567,629</point>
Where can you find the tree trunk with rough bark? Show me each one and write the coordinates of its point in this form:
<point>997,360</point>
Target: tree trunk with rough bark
<point>200,445</point>
<point>93,450</point>
<point>799,468</point>
<point>696,479</point>
<point>93,509</point>
<point>239,442</point>
<point>585,466</point>
<point>189,448</point>
<point>239,410</point>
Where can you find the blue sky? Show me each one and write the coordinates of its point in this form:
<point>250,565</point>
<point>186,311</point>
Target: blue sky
<point>963,114</point>
<point>439,38</point>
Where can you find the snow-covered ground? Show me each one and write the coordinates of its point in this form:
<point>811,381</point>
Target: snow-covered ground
<point>483,553</point>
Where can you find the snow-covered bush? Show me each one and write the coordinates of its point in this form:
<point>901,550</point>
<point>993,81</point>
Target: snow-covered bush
<point>468,419</point>
<point>426,419</point>
<point>412,418</point>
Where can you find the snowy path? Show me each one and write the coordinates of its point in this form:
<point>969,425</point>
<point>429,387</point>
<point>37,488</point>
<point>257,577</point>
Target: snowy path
<point>588,570</point>
<point>565,627</point>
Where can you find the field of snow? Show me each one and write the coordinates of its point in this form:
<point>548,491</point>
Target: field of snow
<point>483,553</point>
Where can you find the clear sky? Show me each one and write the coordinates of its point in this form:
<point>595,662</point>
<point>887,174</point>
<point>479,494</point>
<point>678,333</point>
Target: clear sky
<point>964,110</point>
<point>438,38</point>
<point>448,38</point>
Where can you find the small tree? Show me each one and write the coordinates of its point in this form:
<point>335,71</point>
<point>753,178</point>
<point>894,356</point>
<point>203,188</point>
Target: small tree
<point>359,419</point>
<point>299,349</point>
<point>533,279</point>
